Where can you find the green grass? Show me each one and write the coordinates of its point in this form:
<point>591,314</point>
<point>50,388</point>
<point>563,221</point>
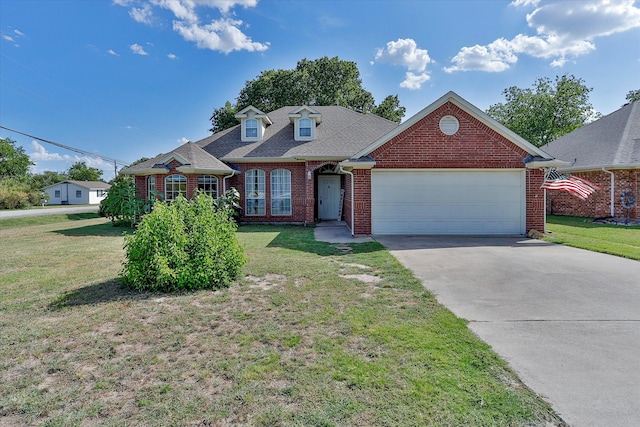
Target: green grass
<point>299,341</point>
<point>579,232</point>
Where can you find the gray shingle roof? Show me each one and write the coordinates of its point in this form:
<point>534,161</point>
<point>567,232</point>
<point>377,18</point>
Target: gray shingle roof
<point>611,141</point>
<point>342,133</point>
<point>195,157</point>
<point>91,185</point>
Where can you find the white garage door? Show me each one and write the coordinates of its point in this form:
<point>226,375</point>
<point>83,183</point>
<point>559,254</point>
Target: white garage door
<point>448,201</point>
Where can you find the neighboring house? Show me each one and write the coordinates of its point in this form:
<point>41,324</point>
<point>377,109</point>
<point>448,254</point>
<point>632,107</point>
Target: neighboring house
<point>450,169</point>
<point>607,153</point>
<point>77,192</point>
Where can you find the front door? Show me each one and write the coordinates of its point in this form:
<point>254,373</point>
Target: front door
<point>328,196</point>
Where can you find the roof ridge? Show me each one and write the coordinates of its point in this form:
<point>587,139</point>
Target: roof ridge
<point>626,142</point>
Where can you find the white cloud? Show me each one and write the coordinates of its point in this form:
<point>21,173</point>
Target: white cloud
<point>414,81</point>
<point>112,52</point>
<point>183,140</point>
<point>142,14</point>
<point>40,154</point>
<point>8,38</point>
<point>223,34</point>
<point>172,56</point>
<point>564,29</point>
<point>138,50</point>
<point>405,53</point>
<point>522,3</point>
<point>18,33</point>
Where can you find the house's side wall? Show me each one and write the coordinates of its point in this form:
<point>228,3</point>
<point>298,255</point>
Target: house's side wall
<point>68,195</point>
<point>474,146</point>
<point>599,203</point>
<point>94,199</point>
<point>362,205</point>
<point>348,198</point>
<point>535,200</point>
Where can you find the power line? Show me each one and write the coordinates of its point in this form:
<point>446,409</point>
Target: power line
<point>116,162</point>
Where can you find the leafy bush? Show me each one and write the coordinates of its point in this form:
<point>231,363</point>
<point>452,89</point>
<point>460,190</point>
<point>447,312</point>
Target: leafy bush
<point>121,204</point>
<point>186,245</point>
<point>15,194</point>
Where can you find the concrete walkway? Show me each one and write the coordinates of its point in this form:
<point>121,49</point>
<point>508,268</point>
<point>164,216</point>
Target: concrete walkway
<point>21,213</point>
<point>337,232</point>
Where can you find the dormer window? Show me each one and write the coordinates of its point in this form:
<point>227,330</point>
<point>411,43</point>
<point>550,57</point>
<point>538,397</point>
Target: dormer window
<point>253,124</point>
<point>305,120</point>
<point>251,130</point>
<point>305,128</point>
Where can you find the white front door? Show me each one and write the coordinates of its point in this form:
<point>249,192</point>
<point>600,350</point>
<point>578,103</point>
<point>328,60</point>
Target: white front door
<point>328,196</point>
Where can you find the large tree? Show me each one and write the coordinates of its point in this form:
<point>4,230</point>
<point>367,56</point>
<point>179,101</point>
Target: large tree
<point>79,171</point>
<point>547,110</point>
<point>324,81</point>
<point>633,95</point>
<point>14,162</point>
<point>45,179</point>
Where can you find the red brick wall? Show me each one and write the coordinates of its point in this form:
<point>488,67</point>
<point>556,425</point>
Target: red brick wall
<point>298,191</point>
<point>362,205</point>
<point>599,203</point>
<point>535,200</point>
<point>475,145</point>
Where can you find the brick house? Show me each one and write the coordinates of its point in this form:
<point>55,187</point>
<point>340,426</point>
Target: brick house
<point>607,153</point>
<point>450,169</point>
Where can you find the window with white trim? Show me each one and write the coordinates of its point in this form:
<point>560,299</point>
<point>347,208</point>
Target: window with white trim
<point>151,187</point>
<point>208,184</point>
<point>174,186</point>
<point>254,192</point>
<point>281,192</point>
<point>305,128</point>
<point>251,128</point>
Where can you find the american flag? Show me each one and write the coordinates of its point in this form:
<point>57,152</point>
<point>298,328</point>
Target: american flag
<point>579,187</point>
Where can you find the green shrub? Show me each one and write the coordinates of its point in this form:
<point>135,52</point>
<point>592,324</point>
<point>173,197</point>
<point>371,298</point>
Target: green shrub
<point>121,205</point>
<point>185,245</point>
<point>15,194</point>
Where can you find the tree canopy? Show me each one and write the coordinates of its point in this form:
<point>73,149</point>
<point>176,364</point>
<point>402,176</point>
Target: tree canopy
<point>547,110</point>
<point>324,81</point>
<point>14,162</point>
<point>633,95</point>
<point>79,171</point>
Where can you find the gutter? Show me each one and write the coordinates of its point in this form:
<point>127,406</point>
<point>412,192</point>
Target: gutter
<point>353,219</point>
<point>612,191</point>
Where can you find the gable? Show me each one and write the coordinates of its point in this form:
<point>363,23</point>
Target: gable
<point>469,143</point>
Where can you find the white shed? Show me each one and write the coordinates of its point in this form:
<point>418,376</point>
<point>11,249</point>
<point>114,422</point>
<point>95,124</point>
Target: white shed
<point>77,192</point>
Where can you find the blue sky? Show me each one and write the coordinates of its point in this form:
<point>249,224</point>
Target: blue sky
<point>133,78</point>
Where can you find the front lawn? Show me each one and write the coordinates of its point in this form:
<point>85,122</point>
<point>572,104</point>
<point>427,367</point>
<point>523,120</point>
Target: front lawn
<point>579,232</point>
<point>315,334</point>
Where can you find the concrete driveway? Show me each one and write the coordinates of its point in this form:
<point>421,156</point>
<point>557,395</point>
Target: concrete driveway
<point>567,320</point>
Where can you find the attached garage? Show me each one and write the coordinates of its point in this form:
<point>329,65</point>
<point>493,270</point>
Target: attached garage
<point>466,202</point>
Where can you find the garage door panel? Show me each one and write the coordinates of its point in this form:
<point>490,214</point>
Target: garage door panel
<point>447,202</point>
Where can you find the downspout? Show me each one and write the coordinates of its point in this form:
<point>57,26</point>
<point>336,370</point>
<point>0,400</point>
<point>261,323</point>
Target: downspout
<point>613,185</point>
<point>224,180</point>
<point>353,219</point>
